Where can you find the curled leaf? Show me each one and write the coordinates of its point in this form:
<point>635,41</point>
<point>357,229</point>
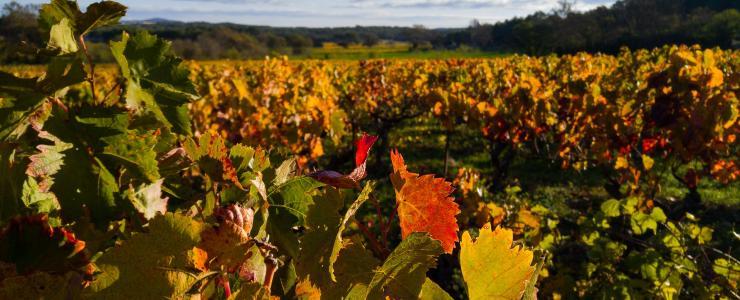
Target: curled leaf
<point>351,180</point>
<point>363,148</point>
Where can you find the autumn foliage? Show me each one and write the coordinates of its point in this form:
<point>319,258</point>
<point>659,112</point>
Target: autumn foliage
<point>159,178</point>
<point>424,204</point>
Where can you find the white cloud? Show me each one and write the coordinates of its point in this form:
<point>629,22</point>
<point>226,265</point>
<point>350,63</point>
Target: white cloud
<point>331,13</point>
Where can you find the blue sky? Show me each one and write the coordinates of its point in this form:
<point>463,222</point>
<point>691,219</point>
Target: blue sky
<point>334,13</point>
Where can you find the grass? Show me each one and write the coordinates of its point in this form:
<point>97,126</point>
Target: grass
<point>332,51</point>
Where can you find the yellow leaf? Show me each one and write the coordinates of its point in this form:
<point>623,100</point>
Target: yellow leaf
<point>493,269</point>
<point>647,162</point>
<point>715,77</point>
<point>621,163</point>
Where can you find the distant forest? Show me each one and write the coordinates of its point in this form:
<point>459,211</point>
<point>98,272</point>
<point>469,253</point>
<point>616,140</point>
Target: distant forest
<point>630,23</point>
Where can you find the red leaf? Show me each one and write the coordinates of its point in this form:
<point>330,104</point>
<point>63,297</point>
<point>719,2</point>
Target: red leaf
<point>363,148</point>
<point>351,180</point>
<point>648,144</point>
<point>335,179</point>
<point>424,204</point>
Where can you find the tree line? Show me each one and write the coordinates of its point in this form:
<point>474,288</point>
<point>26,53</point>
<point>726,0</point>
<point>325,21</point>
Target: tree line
<point>631,23</point>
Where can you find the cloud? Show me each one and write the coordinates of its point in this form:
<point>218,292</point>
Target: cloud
<point>428,3</point>
<point>333,13</point>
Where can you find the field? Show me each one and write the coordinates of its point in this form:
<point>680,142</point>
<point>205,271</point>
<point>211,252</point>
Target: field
<point>511,177</point>
<point>331,51</point>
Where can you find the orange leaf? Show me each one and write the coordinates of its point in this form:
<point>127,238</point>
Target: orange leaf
<point>424,204</point>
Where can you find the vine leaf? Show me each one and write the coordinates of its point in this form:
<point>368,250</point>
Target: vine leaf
<point>212,156</point>
<point>62,38</point>
<point>160,255</point>
<point>158,83</point>
<point>32,245</point>
<point>42,166</point>
<point>351,180</point>
<point>42,285</point>
<point>492,269</point>
<point>134,151</point>
<point>322,225</point>
<point>147,199</point>
<point>530,292</point>
<point>288,208</point>
<point>364,195</point>
<point>424,204</point>
<point>431,291</point>
<point>354,269</point>
<point>322,243</point>
<point>19,99</point>
<point>403,273</point>
<point>100,14</point>
<point>97,15</point>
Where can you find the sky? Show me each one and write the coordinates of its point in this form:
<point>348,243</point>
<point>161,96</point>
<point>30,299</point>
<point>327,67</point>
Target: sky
<point>340,13</point>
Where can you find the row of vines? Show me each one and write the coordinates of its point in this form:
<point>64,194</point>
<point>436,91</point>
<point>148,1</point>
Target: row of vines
<point>640,118</point>
<point>107,193</point>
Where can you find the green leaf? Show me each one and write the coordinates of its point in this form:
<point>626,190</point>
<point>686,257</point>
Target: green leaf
<point>610,208</point>
<point>38,200</point>
<point>61,73</point>
<point>293,197</point>
<point>19,100</point>
<point>282,173</point>
<point>157,81</point>
<point>62,37</point>
<point>97,15</point>
<point>250,291</point>
<point>354,269</point>
<point>42,286</point>
<point>431,291</point>
<point>322,225</point>
<point>642,222</point>
<point>241,156</point>
<point>285,279</point>
<point>147,199</point>
<point>100,14</point>
<point>403,273</point>
<point>728,269</point>
<point>13,169</point>
<point>149,265</point>
<point>57,10</point>
<point>530,292</point>
<point>135,152</point>
<point>97,194</point>
<point>658,215</point>
<point>288,207</point>
<point>364,195</point>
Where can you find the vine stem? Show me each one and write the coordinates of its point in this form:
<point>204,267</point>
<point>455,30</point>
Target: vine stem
<point>91,78</point>
<point>224,282</point>
<point>372,240</point>
<point>380,220</point>
<point>390,221</point>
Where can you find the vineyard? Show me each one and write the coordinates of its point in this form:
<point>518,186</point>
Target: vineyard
<point>517,177</point>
